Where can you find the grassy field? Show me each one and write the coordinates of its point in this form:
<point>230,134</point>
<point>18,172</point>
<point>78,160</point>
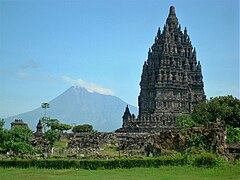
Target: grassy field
<point>167,172</point>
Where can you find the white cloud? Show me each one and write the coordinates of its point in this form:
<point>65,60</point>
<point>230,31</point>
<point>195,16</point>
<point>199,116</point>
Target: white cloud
<point>91,87</point>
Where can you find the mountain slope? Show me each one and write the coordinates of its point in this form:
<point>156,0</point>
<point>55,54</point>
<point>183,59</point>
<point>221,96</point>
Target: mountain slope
<point>77,105</point>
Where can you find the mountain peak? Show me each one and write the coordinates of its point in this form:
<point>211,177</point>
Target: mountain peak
<point>79,106</point>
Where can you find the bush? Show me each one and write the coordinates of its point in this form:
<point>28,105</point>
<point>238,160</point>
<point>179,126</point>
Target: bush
<point>233,134</point>
<point>83,128</point>
<point>206,160</point>
<point>185,121</point>
<point>96,164</point>
<point>202,160</point>
<point>196,140</point>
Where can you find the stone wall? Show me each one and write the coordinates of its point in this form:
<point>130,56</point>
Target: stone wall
<point>212,135</point>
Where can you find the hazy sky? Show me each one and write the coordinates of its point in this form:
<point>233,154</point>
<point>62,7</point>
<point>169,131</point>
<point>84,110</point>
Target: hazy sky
<point>49,45</point>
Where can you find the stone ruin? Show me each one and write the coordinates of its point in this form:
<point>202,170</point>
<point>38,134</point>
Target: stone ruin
<point>213,136</point>
<point>18,122</point>
<point>39,127</point>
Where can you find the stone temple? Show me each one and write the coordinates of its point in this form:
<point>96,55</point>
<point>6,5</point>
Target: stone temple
<point>171,81</point>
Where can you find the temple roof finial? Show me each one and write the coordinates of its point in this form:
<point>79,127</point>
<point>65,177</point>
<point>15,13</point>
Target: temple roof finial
<point>194,51</point>
<point>159,32</point>
<point>172,18</point>
<point>185,30</point>
<point>172,10</point>
<point>126,113</point>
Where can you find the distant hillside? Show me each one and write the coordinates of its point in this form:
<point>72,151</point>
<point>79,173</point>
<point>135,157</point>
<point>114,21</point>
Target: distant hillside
<point>77,105</point>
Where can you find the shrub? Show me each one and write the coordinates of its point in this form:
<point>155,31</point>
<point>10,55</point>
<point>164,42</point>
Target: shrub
<point>206,160</point>
<point>96,164</point>
<point>185,121</point>
<point>83,128</point>
<point>202,160</point>
<point>233,134</point>
<point>196,140</point>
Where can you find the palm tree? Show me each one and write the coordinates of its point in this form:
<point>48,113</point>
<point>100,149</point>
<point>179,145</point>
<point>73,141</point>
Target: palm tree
<point>45,106</point>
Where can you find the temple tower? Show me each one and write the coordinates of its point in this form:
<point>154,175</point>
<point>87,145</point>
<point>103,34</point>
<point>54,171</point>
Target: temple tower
<point>171,81</point>
<point>39,127</point>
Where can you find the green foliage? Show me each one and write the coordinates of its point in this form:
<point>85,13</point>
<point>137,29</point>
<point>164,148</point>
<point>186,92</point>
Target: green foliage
<point>17,140</point>
<point>196,140</point>
<point>51,136</point>
<point>49,122</point>
<point>61,127</point>
<point>185,121</point>
<point>21,134</point>
<point>2,122</point>
<point>206,160</point>
<point>201,160</point>
<point>233,134</point>
<point>96,164</point>
<point>2,131</point>
<point>225,108</point>
<point>83,128</point>
<point>4,134</point>
<point>45,105</point>
<point>200,113</point>
<point>17,147</point>
<point>52,122</point>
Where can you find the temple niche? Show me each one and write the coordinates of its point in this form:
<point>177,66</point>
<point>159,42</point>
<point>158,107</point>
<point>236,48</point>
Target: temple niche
<point>171,81</point>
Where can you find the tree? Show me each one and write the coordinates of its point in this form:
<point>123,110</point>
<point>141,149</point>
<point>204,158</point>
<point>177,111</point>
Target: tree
<point>4,134</point>
<point>51,136</point>
<point>83,128</point>
<point>61,127</point>
<point>17,140</point>
<point>200,113</point>
<point>233,134</point>
<point>185,121</point>
<point>17,147</point>
<point>51,122</point>
<point>45,106</point>
<point>225,108</point>
<point>21,134</point>
<point>2,122</point>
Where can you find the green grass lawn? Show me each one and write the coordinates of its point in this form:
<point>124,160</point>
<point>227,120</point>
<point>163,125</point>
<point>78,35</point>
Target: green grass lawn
<point>165,172</point>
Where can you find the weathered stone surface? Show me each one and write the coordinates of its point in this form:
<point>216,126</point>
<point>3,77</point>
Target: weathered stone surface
<point>171,81</point>
<point>213,134</point>
<point>39,127</point>
<point>18,122</point>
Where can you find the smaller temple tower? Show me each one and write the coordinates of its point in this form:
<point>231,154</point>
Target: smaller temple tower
<point>39,127</point>
<point>129,120</point>
<point>18,122</point>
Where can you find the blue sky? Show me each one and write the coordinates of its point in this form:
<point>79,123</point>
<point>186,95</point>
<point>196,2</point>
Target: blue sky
<point>48,46</point>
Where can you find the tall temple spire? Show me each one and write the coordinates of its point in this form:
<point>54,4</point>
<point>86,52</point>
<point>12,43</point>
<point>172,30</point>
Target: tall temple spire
<point>172,19</point>
<point>171,81</point>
